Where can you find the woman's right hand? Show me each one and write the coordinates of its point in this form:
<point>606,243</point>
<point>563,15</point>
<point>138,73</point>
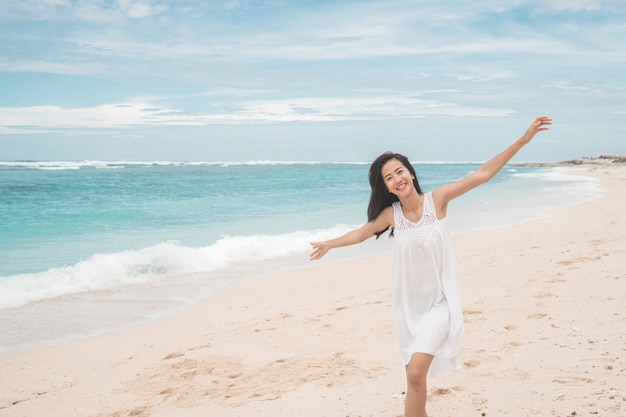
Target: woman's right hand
<point>319,250</point>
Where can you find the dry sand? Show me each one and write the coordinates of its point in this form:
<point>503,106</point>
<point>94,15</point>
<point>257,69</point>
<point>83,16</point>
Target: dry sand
<point>545,314</point>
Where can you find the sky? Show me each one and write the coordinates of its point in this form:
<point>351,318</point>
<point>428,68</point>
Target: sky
<point>324,80</point>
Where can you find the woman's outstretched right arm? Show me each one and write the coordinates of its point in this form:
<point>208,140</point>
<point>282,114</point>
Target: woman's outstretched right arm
<point>384,220</point>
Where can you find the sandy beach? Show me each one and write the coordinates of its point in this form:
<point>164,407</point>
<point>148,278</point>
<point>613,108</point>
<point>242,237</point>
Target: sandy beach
<point>545,336</point>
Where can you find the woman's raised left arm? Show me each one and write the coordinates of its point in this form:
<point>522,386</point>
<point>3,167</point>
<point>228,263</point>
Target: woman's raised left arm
<point>489,169</point>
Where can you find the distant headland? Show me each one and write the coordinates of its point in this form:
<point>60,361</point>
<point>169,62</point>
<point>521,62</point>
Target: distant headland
<point>601,159</point>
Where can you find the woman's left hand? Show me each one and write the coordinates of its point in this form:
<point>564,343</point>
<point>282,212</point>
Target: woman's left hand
<point>540,123</point>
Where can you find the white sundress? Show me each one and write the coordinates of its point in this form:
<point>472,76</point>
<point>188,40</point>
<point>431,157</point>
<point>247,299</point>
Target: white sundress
<point>426,299</point>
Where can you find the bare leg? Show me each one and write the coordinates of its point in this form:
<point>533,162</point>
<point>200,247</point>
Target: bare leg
<point>416,373</point>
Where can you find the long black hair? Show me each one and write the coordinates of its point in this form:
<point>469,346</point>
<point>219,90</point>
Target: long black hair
<point>380,197</point>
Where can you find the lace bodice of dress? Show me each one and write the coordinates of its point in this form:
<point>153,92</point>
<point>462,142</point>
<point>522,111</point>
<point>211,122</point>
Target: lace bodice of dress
<point>416,233</point>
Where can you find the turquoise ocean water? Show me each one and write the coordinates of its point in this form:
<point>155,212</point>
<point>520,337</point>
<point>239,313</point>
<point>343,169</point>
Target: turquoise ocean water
<point>92,247</point>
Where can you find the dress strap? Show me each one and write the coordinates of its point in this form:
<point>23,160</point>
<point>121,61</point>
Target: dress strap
<point>398,217</point>
<point>429,204</point>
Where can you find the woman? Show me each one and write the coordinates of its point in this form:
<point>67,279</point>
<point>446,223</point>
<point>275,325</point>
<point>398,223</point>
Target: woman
<point>426,298</point>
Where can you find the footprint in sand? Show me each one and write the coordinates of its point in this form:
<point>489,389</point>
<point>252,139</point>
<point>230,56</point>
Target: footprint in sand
<point>473,315</point>
<point>543,295</point>
<point>173,355</point>
<point>445,391</point>
<point>264,330</point>
<point>472,363</point>
<point>537,315</point>
<point>191,349</point>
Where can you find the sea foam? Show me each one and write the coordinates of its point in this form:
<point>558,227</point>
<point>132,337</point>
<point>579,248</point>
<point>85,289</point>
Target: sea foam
<point>150,265</point>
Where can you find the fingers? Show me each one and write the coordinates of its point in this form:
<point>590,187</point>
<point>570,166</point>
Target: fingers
<point>318,251</point>
<point>542,121</point>
<point>316,254</point>
<point>539,124</point>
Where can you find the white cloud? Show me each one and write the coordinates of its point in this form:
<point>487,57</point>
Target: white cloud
<point>137,9</point>
<point>55,2</point>
<point>567,86</point>
<point>39,66</point>
<point>306,109</point>
<point>85,10</point>
<point>571,5</point>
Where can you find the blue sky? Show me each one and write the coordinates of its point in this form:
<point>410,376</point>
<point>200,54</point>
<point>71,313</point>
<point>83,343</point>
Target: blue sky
<point>309,80</point>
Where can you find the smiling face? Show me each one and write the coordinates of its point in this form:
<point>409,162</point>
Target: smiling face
<point>397,178</point>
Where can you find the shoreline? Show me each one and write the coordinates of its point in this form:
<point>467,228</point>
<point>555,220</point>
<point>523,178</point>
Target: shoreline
<point>319,341</point>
